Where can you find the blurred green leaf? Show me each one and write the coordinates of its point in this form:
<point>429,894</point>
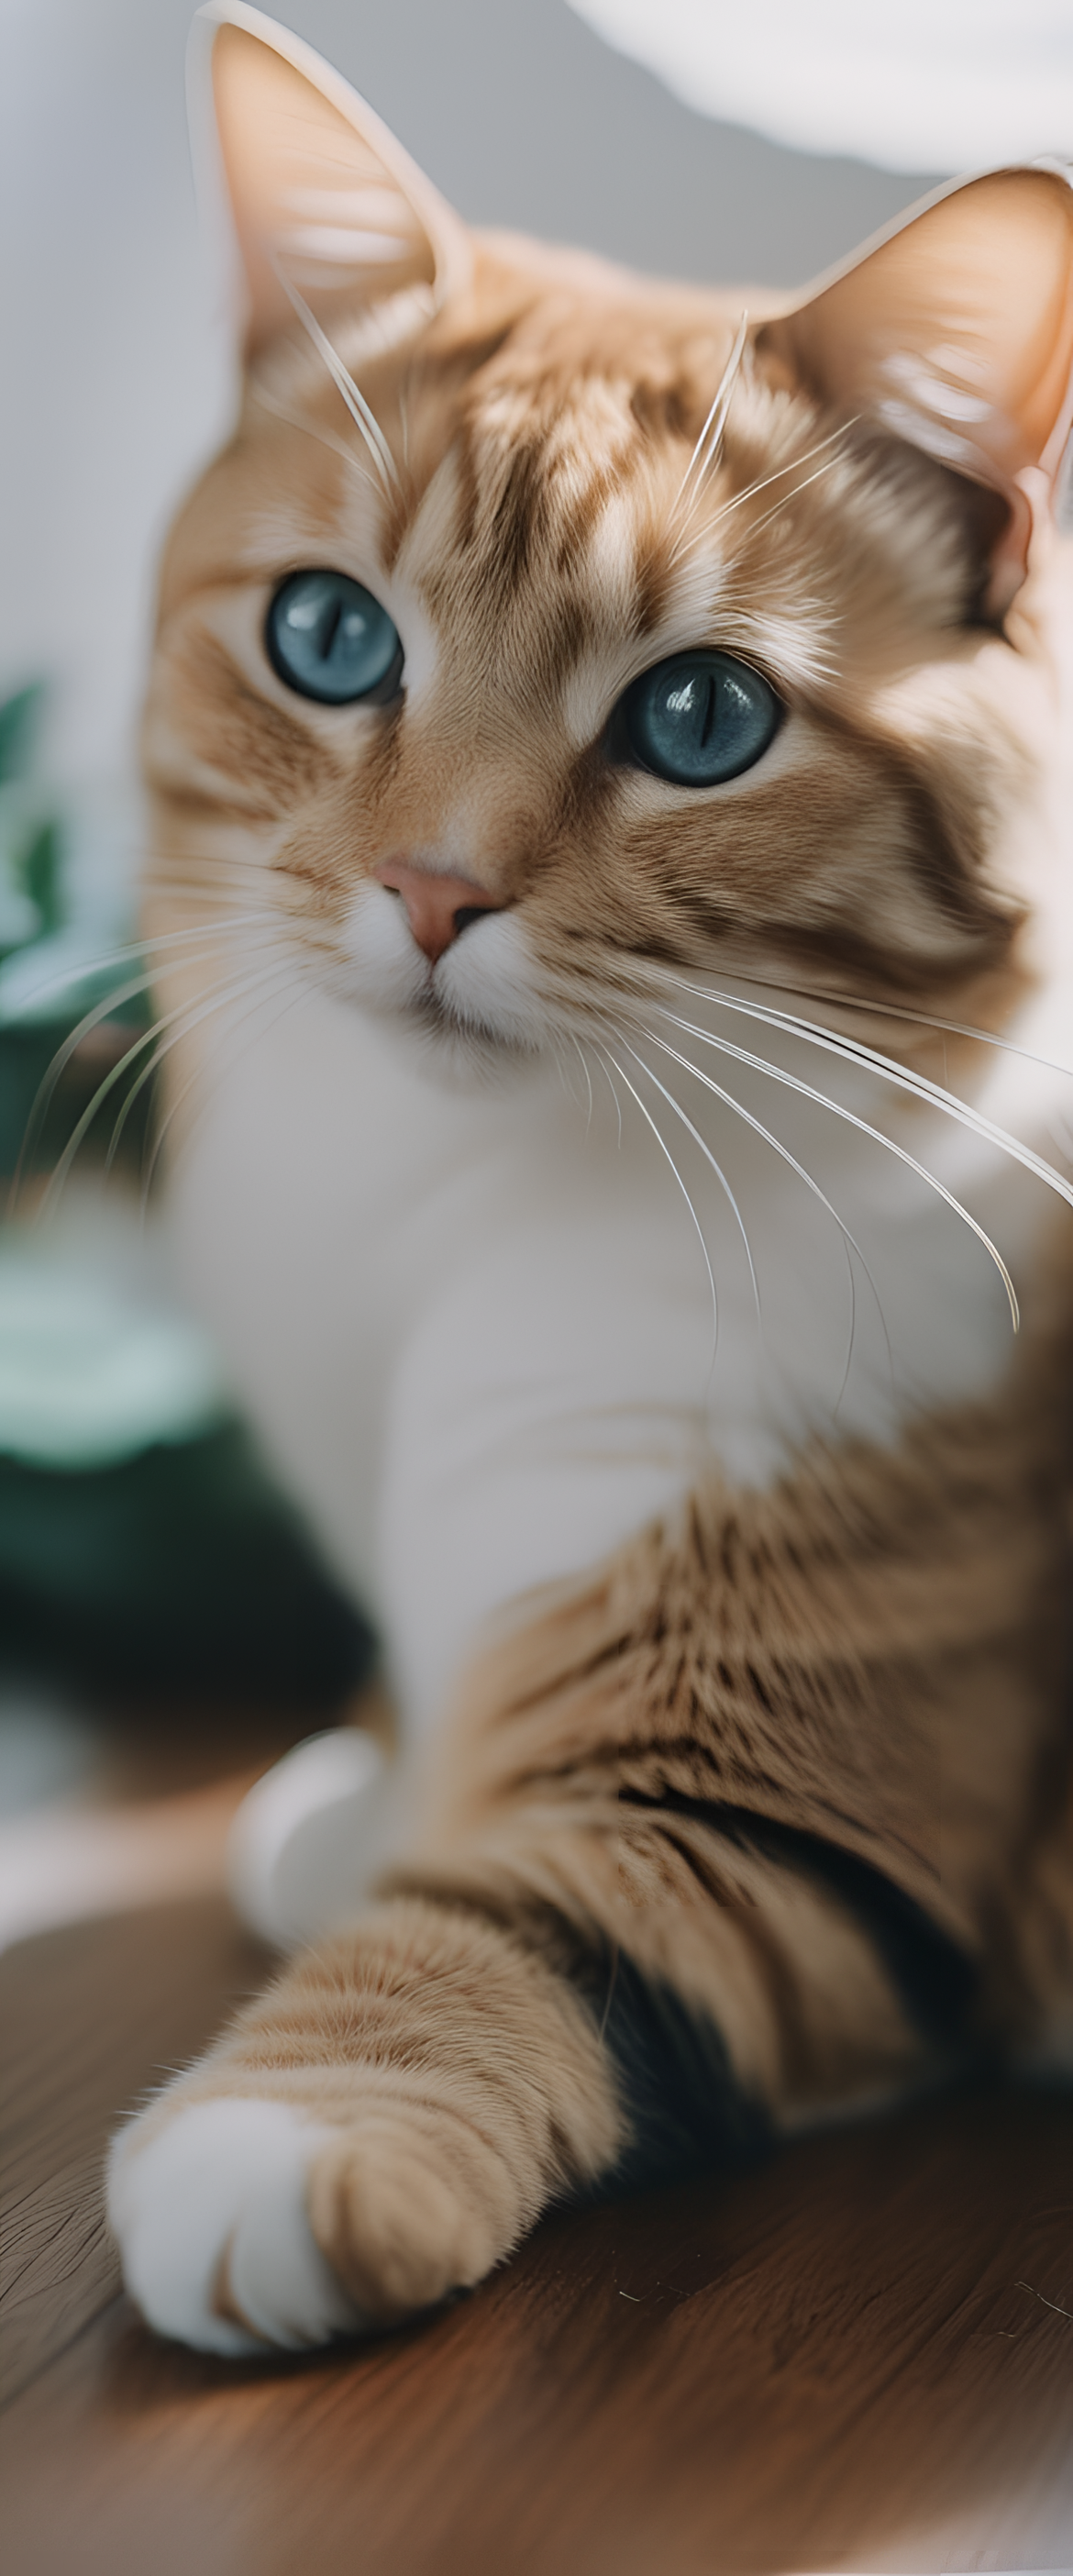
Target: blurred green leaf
<point>40,873</point>
<point>18,726</point>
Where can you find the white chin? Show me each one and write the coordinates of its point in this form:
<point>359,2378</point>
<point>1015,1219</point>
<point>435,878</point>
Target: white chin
<point>484,987</point>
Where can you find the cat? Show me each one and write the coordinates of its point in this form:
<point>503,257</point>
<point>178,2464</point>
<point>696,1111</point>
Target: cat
<point>607,747</point>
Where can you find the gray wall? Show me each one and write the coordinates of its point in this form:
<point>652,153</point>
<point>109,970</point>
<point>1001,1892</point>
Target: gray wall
<point>524,117</point>
<point>115,364</point>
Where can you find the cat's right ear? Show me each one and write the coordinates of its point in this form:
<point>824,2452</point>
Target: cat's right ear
<point>954,329</point>
<point>327,207</point>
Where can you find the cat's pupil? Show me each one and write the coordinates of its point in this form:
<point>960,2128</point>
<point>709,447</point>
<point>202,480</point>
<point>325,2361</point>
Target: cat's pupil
<point>328,638</point>
<point>699,718</point>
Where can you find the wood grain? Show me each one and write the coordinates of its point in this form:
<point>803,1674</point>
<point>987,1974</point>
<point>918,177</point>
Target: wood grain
<point>860,2356</point>
<point>90,2016</point>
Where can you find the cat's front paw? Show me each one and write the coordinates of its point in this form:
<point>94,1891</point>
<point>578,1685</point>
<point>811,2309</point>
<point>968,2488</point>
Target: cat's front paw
<point>406,2218</point>
<point>437,2082</point>
<point>242,2224</point>
<point>210,2210</point>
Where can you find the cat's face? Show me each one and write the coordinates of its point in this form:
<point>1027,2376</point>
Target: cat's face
<point>511,688</point>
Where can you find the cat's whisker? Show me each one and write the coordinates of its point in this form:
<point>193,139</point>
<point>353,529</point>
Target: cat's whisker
<point>92,1019</point>
<point>609,1077</point>
<point>751,490</point>
<point>837,1109</point>
<point>312,429</point>
<point>293,985</point>
<point>666,1152</point>
<point>54,1071</point>
<point>146,1037</point>
<point>152,1067</point>
<point>756,525</point>
<point>163,1125</point>
<point>767,1136</point>
<point>835,438</point>
<point>588,1080</point>
<point>135,949</point>
<point>1061,1134</point>
<point>354,399</point>
<point>268,992</point>
<point>885,1010</point>
<point>899,1077</point>
<point>195,895</point>
<point>709,441</point>
<point>709,1157</point>
<point>564,1068</point>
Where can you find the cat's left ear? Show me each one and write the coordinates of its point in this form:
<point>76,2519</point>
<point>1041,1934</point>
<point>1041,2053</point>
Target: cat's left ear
<point>327,207</point>
<point>955,331</point>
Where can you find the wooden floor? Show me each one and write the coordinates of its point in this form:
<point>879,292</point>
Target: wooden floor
<point>860,2357</point>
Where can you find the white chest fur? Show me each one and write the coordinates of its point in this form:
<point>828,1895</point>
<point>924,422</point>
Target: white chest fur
<point>474,1324</point>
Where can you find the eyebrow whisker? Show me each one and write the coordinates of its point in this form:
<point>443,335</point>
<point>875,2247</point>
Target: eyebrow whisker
<point>738,499</point>
<point>341,377</point>
<point>313,429</point>
<point>707,446</point>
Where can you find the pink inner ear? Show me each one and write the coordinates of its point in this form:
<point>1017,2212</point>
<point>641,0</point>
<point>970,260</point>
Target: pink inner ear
<point>323,200</point>
<point>957,334</point>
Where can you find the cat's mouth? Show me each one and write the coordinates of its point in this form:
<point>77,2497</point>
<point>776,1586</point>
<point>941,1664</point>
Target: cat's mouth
<point>467,1038</point>
<point>483,991</point>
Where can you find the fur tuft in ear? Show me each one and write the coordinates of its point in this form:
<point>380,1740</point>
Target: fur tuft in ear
<point>330,212</point>
<point>955,331</point>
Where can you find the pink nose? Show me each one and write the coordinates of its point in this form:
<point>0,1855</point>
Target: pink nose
<point>438,908</point>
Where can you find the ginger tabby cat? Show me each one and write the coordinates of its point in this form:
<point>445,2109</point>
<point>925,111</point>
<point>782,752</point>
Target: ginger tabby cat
<point>608,754</point>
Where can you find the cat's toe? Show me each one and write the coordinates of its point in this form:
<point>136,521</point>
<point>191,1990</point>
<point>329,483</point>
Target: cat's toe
<point>403,2222</point>
<point>210,2213</point>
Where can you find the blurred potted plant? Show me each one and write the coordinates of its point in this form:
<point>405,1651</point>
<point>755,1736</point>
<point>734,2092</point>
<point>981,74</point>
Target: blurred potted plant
<point>143,1548</point>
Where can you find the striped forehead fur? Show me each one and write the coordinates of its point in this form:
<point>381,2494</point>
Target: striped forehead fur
<point>556,524</point>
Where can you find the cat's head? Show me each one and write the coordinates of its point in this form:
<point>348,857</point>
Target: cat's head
<point>545,631</point>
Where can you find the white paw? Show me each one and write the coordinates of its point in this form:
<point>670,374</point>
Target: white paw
<point>217,2197</point>
<point>310,1836</point>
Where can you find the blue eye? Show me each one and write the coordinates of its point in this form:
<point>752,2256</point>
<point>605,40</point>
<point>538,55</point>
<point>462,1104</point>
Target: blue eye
<point>330,639</point>
<point>700,718</point>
